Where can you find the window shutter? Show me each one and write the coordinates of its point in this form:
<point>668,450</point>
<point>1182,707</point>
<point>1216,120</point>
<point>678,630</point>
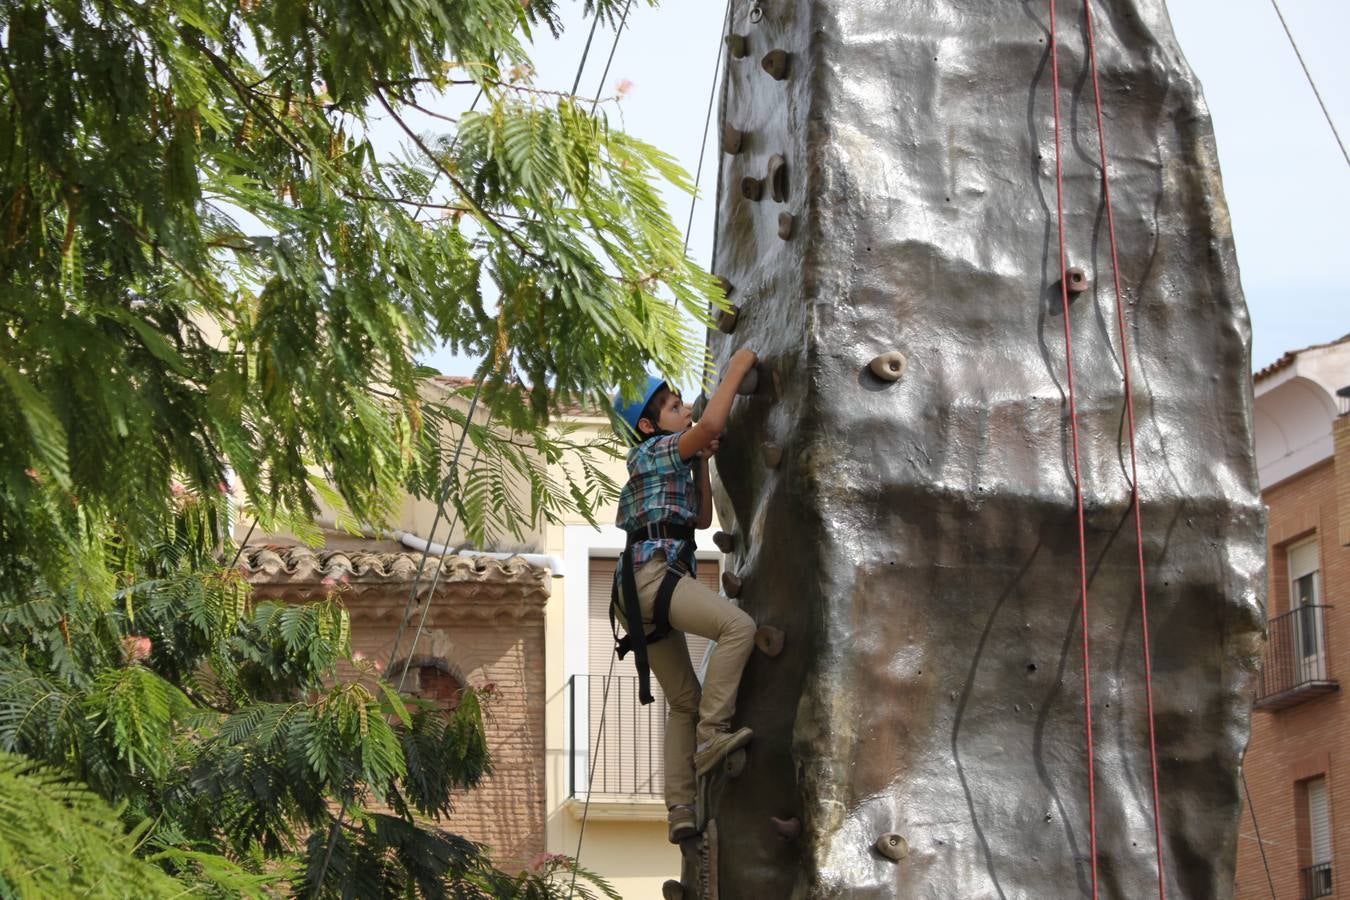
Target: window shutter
<point>1319,820</point>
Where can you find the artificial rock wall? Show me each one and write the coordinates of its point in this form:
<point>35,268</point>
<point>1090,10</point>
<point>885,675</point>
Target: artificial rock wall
<point>917,539</point>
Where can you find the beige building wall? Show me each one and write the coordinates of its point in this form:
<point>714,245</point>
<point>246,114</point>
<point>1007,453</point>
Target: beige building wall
<point>625,835</point>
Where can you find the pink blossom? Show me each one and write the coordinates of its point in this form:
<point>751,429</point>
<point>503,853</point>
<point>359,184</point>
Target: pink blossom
<point>136,647</point>
<point>625,87</point>
<point>545,859</point>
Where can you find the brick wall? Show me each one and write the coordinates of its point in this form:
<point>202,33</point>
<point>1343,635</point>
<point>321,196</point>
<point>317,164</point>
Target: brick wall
<point>506,812</point>
<point>484,629</point>
<point>1312,738</point>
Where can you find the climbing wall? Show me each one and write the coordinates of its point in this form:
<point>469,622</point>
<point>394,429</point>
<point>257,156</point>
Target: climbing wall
<point>901,487</point>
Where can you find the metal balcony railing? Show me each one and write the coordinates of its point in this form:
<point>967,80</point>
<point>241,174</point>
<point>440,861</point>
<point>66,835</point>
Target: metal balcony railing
<point>1296,659</point>
<point>1317,881</point>
<point>615,743</point>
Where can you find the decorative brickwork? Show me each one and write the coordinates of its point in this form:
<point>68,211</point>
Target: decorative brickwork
<point>1291,746</point>
<point>485,630</point>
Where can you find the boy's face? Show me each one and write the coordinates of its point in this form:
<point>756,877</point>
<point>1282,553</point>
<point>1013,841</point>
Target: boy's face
<point>674,415</point>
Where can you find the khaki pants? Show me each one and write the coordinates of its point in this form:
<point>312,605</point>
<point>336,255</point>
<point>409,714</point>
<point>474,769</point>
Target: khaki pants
<point>695,715</point>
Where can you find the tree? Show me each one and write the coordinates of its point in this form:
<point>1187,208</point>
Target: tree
<point>210,272</point>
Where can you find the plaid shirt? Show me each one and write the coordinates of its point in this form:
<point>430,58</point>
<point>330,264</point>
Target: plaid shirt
<point>660,488</point>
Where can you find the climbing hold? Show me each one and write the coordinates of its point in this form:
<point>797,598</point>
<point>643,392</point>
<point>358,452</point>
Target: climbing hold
<point>777,178</point>
<point>752,188</point>
<point>772,454</point>
<point>699,406</point>
<point>737,45</point>
<point>731,139</point>
<point>672,890</point>
<point>785,223</point>
<point>892,846</point>
<point>788,829</point>
<point>731,584</point>
<point>769,640</point>
<point>750,383</point>
<point>724,541</point>
<point>775,62</point>
<point>726,319</point>
<point>727,286</point>
<point>889,366</point>
<point>1077,280</point>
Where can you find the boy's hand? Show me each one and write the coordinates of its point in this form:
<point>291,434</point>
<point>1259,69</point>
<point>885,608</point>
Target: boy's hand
<point>707,452</point>
<point>744,359</point>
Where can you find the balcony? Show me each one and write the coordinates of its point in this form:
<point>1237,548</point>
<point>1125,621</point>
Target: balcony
<point>616,748</point>
<point>1296,666</point>
<point>1317,881</point>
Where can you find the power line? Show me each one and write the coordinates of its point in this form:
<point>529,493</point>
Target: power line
<point>1316,93</point>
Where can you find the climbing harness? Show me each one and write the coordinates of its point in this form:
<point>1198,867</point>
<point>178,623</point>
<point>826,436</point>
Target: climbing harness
<point>1134,470</point>
<point>637,637</point>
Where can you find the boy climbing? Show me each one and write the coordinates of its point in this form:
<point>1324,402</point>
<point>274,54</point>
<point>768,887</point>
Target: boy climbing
<point>656,597</point>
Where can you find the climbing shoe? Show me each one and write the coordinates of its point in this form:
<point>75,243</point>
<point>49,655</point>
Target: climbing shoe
<point>717,748</point>
<point>683,822</point>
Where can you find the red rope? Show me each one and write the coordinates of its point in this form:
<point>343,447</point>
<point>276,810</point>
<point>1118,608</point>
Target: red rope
<point>1134,467</point>
<point>1077,470</point>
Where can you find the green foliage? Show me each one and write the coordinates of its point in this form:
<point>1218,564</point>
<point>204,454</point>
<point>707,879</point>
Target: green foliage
<point>57,839</point>
<point>208,271</point>
<point>208,267</point>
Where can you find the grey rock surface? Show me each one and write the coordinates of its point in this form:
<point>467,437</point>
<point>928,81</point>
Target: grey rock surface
<point>917,542</point>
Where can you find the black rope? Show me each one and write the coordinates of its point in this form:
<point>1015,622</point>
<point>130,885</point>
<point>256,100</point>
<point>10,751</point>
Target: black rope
<point>1316,93</point>
<point>618,32</point>
<point>436,578</point>
<point>698,174</point>
<point>585,52</point>
<point>450,479</point>
<point>237,553</point>
<point>1257,828</point>
<point>707,122</point>
<point>440,506</point>
<point>595,760</point>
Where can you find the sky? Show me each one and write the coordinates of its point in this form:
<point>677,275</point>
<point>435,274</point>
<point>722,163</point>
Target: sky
<point>1286,182</point>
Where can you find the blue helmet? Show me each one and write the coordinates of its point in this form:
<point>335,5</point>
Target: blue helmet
<point>631,412</point>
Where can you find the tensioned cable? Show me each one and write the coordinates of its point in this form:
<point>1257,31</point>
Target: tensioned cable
<point>445,492</point>
<point>1077,469</point>
<point>604,701</point>
<point>1257,828</point>
<point>707,123</point>
<point>618,32</point>
<point>1312,84</point>
<point>1134,465</point>
<point>440,506</point>
<point>595,761</point>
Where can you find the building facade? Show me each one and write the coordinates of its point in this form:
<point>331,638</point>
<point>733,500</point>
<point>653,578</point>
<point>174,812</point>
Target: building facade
<point>1295,831</point>
<point>569,741</point>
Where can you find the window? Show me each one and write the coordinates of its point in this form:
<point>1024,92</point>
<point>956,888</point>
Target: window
<point>1304,579</point>
<point>435,682</point>
<point>1305,599</point>
<point>1317,877</point>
